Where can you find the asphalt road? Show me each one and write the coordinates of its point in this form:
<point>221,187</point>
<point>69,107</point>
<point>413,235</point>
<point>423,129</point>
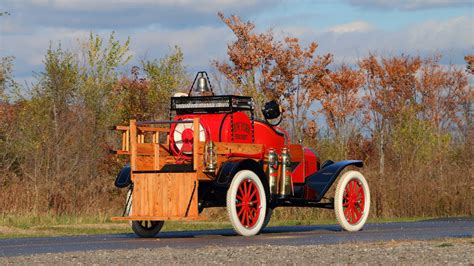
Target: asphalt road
<point>284,235</point>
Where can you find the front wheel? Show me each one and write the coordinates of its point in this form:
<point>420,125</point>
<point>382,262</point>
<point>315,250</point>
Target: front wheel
<point>352,201</point>
<point>246,203</point>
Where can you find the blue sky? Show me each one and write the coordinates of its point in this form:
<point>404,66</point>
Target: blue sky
<point>349,29</point>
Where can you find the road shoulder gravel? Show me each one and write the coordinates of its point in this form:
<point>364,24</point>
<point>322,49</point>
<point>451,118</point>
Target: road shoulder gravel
<point>443,251</point>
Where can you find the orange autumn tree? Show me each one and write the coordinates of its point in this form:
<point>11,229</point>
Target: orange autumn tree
<point>297,79</point>
<point>470,64</point>
<point>389,88</point>
<point>442,90</point>
<point>341,103</point>
<point>251,56</point>
<point>266,69</point>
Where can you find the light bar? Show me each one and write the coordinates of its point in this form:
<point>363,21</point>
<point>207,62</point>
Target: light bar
<point>213,104</point>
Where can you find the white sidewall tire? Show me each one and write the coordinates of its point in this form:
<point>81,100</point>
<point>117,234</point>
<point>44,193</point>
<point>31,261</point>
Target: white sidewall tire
<point>231,203</point>
<point>338,199</point>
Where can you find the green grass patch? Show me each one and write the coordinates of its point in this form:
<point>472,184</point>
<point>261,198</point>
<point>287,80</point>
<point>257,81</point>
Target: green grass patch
<point>444,245</point>
<point>51,225</point>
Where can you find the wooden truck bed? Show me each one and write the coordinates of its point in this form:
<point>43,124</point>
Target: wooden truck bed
<point>160,194</point>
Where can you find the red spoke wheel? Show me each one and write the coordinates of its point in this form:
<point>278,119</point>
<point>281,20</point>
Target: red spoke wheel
<point>352,201</point>
<point>246,203</point>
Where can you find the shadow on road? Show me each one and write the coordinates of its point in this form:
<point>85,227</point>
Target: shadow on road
<point>230,232</point>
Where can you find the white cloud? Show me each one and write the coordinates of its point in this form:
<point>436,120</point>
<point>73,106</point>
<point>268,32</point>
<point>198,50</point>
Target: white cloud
<point>410,4</point>
<point>200,45</point>
<point>456,33</point>
<point>29,49</point>
<point>122,14</point>
<point>355,26</point>
<point>350,42</point>
<point>203,6</point>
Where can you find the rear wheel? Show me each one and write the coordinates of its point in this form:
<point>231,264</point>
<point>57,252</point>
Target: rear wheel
<point>246,203</point>
<point>147,229</point>
<point>352,201</point>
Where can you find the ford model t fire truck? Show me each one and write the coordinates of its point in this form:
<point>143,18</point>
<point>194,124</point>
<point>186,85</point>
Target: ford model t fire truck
<point>214,153</point>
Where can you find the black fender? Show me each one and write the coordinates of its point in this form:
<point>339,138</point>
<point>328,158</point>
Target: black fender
<point>230,168</point>
<point>123,178</point>
<point>323,179</point>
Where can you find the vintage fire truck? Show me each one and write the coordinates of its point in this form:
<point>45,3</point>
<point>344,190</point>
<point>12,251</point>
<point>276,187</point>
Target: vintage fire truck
<point>214,153</point>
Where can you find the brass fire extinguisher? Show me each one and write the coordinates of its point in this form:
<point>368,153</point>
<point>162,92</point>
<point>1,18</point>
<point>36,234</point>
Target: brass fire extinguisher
<point>273,171</point>
<point>285,184</point>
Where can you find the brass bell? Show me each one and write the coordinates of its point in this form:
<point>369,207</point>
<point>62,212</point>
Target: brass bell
<point>202,86</point>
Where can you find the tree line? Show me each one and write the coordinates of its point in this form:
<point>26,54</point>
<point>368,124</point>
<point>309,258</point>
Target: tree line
<point>408,117</point>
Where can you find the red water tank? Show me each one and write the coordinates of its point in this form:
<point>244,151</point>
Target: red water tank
<point>222,127</point>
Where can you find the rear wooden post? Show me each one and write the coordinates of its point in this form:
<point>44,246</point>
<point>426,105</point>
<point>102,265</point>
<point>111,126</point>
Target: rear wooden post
<point>156,156</point>
<point>124,140</point>
<point>127,139</point>
<point>133,145</point>
<point>195,142</point>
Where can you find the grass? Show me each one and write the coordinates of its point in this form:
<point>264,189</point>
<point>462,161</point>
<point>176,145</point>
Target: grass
<point>444,245</point>
<point>12,226</point>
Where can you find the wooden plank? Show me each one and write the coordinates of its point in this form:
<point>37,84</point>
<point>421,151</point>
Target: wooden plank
<point>124,140</point>
<point>127,140</point>
<point>149,149</point>
<point>145,149</point>
<point>145,163</point>
<point>225,148</point>
<point>156,156</point>
<point>165,195</point>
<point>159,218</point>
<point>153,129</point>
<point>133,144</point>
<point>122,128</point>
<point>120,152</point>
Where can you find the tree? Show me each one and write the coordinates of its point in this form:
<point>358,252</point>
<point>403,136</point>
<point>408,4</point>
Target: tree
<point>7,81</point>
<point>470,64</point>
<point>8,113</point>
<point>250,57</point>
<point>390,86</point>
<point>147,98</point>
<point>266,69</point>
<point>166,76</point>
<point>298,79</point>
<point>49,128</point>
<point>99,76</point>
<point>442,91</point>
<point>341,103</point>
